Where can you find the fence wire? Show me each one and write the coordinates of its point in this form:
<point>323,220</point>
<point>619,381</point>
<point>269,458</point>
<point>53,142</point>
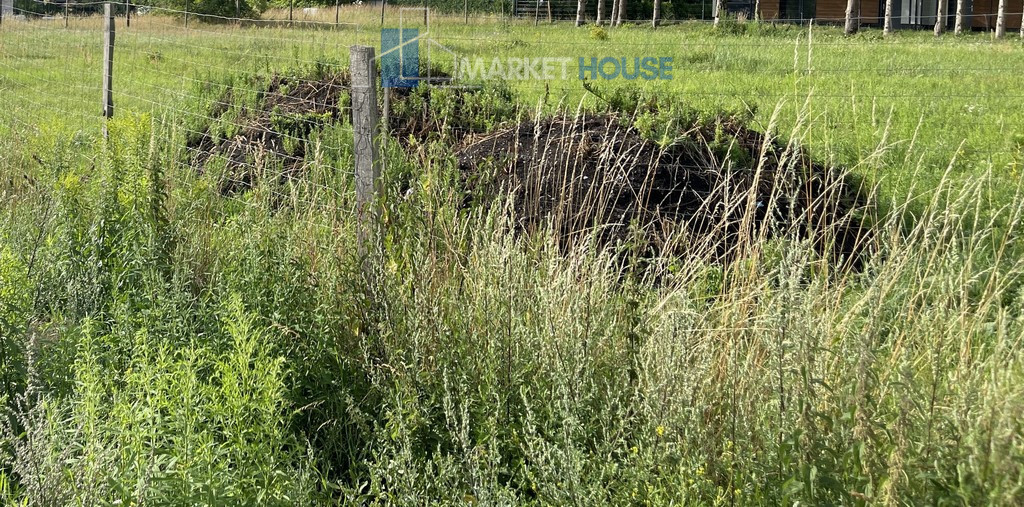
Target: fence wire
<point>207,78</point>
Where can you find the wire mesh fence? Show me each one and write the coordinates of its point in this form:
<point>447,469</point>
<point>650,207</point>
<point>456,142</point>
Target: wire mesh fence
<point>249,96</point>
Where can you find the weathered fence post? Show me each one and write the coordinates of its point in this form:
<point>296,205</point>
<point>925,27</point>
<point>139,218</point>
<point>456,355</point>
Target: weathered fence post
<point>186,13</point>
<point>108,64</point>
<point>887,23</point>
<point>1001,20</point>
<point>337,11</point>
<point>852,17</point>
<point>290,2</point>
<point>365,126</point>
<point>940,18</point>
<point>127,14</point>
<point>66,7</point>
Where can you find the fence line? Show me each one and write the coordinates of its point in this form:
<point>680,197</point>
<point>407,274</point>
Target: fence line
<point>223,83</point>
<point>22,72</point>
<point>563,15</point>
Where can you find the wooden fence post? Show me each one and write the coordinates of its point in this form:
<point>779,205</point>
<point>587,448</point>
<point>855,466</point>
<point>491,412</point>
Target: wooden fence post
<point>108,63</point>
<point>186,13</point>
<point>127,14</point>
<point>1001,20</point>
<point>365,125</point>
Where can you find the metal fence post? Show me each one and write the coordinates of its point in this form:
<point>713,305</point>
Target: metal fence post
<point>365,125</point>
<point>108,63</point>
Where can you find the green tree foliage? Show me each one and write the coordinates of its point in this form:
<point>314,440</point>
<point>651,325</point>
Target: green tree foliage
<point>216,9</point>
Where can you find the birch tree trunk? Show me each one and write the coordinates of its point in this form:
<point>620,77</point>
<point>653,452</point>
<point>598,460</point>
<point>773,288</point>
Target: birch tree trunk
<point>757,10</point>
<point>600,12</point>
<point>1001,20</point>
<point>719,7</point>
<point>940,18</point>
<point>581,7</point>
<point>959,27</point>
<point>656,19</point>
<point>621,13</point>
<point>851,17</point>
<point>615,12</point>
<point>887,30</point>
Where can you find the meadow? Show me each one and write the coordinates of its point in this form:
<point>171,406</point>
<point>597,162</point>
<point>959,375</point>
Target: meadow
<point>164,341</point>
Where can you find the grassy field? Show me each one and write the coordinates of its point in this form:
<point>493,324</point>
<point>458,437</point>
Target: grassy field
<point>162,342</point>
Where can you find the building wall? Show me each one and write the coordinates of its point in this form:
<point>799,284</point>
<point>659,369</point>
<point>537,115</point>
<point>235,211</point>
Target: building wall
<point>830,10</point>
<point>8,7</point>
<point>871,12</point>
<point>770,9</point>
<point>835,11</point>
<point>985,14</point>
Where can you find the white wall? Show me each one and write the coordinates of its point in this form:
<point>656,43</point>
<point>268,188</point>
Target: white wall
<point>8,7</point>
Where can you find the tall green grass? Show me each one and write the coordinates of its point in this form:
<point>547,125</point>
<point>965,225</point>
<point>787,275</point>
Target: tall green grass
<point>165,344</point>
<point>243,358</point>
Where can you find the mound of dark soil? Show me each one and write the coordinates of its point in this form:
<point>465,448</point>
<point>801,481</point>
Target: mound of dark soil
<point>274,131</point>
<point>447,113</point>
<point>596,175</point>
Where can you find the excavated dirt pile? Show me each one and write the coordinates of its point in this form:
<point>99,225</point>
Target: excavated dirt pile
<point>717,188</point>
<point>275,130</point>
<point>596,175</point>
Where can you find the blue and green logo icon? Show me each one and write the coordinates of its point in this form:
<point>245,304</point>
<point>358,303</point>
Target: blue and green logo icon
<point>399,57</point>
